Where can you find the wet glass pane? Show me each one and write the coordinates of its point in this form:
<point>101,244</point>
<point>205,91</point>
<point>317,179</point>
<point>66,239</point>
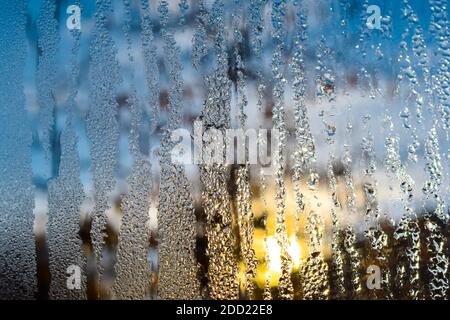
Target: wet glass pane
<point>224,149</point>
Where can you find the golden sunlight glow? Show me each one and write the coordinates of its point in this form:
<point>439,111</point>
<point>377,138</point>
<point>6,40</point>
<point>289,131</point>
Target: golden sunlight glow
<point>274,252</point>
<point>295,252</point>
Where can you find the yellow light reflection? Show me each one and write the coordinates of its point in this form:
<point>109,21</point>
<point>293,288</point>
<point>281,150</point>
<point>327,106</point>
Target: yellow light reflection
<point>274,251</point>
<point>295,252</point>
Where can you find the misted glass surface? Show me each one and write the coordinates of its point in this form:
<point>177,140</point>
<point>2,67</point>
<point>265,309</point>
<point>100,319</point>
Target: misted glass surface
<point>224,149</point>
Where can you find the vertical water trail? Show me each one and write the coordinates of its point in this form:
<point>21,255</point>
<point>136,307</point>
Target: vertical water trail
<point>17,246</point>
<point>267,293</point>
<point>337,256</point>
<point>363,75</point>
<point>344,7</point>
<point>407,234</point>
<point>352,257</point>
<point>101,123</point>
<point>279,123</point>
<point>439,283</point>
<point>176,223</point>
<point>377,237</point>
<point>256,29</point>
<point>150,61</point>
<point>150,65</point>
<point>200,38</point>
<point>349,236</point>
<point>438,260</point>
<point>314,273</point>
<point>245,222</point>
<point>439,27</point>
<point>256,24</point>
<point>419,49</point>
<point>326,88</point>
<point>47,28</point>
<point>65,198</point>
<point>315,270</point>
<point>408,73</point>
<point>243,193</point>
<point>256,21</point>
<point>305,149</point>
<point>222,268</point>
<point>304,144</point>
<point>434,88</point>
<point>44,129</point>
<point>184,7</point>
<point>338,284</point>
<point>133,272</point>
